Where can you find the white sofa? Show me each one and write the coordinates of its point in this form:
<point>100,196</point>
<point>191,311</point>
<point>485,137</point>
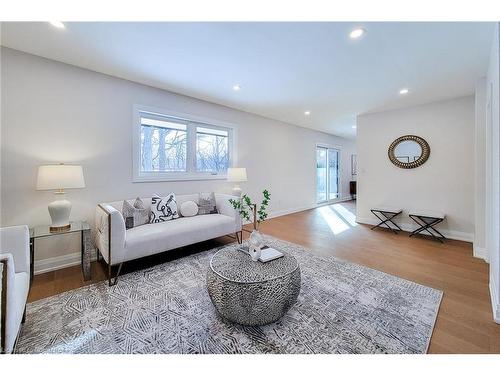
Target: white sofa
<point>118,245</point>
<point>15,257</point>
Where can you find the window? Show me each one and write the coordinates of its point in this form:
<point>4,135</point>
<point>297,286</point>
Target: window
<point>163,145</point>
<point>212,153</point>
<point>170,147</point>
<point>327,174</point>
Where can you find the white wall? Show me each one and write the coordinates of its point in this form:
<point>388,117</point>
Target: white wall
<point>493,172</point>
<point>53,112</point>
<point>480,171</point>
<point>444,183</point>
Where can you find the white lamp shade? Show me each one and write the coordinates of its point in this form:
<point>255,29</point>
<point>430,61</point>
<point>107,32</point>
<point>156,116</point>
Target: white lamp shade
<point>237,174</point>
<point>61,176</point>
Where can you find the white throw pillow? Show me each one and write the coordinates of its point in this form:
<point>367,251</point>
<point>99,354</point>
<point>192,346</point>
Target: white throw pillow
<point>163,209</point>
<point>189,208</point>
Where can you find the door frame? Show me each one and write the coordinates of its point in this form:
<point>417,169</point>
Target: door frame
<point>339,172</point>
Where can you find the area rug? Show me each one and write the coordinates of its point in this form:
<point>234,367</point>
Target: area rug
<point>342,308</point>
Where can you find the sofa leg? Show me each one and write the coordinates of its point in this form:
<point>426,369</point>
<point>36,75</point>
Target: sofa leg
<point>109,274</point>
<point>112,281</point>
<point>239,237</point>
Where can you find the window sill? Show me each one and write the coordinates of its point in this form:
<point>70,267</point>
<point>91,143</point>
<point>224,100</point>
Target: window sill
<point>179,177</point>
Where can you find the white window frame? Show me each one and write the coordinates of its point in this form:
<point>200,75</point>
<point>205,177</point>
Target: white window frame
<point>339,164</point>
<point>192,122</point>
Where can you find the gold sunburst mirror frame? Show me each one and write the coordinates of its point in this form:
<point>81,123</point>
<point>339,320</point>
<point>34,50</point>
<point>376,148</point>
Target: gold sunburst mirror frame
<point>426,151</point>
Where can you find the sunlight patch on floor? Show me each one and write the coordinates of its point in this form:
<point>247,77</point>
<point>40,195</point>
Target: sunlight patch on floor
<point>334,221</point>
<point>345,214</point>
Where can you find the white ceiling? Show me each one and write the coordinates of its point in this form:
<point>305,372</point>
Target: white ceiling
<point>284,69</point>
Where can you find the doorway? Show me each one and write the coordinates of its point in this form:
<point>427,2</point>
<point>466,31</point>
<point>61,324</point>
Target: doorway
<point>327,174</point>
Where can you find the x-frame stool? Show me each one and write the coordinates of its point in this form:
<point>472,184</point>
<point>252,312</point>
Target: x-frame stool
<point>385,215</point>
<point>426,222</point>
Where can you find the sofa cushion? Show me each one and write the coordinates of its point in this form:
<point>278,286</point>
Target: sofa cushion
<point>163,209</point>
<point>154,238</point>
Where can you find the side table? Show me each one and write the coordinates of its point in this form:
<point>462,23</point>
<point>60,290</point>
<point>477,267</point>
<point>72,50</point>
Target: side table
<point>76,226</point>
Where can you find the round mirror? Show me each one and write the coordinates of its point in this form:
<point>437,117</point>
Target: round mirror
<point>409,151</point>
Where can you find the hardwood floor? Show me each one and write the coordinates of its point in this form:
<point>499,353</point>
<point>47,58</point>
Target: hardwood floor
<point>465,322</point>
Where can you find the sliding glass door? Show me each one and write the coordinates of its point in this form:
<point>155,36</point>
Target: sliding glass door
<point>327,174</point>
<point>321,174</point>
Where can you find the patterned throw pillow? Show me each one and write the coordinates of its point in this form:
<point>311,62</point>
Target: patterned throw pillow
<point>163,209</point>
<point>206,204</point>
<point>135,215</point>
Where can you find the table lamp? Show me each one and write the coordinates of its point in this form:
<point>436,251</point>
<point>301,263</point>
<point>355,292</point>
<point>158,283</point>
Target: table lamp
<point>237,175</point>
<point>59,177</point>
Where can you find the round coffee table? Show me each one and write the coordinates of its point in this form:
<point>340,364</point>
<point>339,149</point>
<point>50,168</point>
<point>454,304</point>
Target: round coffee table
<point>252,293</point>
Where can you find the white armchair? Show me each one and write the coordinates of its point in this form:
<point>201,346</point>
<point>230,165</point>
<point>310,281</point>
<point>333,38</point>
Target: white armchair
<point>15,258</point>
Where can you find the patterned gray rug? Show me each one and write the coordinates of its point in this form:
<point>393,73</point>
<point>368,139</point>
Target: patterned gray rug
<point>342,308</point>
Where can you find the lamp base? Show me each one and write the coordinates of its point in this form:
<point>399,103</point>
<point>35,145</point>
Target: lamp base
<point>59,213</point>
<point>237,191</point>
<point>60,229</point>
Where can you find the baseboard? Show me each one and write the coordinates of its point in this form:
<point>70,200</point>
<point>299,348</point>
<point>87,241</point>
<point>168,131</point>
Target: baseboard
<point>57,263</point>
<point>480,252</point>
<point>495,302</point>
<point>408,227</point>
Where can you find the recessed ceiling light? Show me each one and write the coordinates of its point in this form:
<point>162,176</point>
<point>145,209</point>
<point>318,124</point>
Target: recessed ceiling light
<point>57,24</point>
<point>307,113</point>
<point>357,33</point>
<point>404,91</point>
<point>236,87</point>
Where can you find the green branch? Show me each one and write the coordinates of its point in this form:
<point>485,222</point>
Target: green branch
<point>245,207</point>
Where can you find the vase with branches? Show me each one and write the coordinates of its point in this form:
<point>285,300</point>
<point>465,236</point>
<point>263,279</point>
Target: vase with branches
<point>246,208</point>
<point>249,210</point>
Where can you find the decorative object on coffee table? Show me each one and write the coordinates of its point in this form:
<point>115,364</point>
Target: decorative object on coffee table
<point>252,293</point>
<point>244,206</point>
<point>256,243</point>
<point>59,177</point>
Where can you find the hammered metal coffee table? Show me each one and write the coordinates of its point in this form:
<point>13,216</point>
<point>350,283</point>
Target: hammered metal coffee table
<point>252,293</point>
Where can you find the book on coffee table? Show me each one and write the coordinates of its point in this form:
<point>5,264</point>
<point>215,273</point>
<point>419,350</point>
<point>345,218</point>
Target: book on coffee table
<point>268,253</point>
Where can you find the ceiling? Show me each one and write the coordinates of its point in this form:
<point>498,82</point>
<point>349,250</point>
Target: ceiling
<point>284,69</point>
